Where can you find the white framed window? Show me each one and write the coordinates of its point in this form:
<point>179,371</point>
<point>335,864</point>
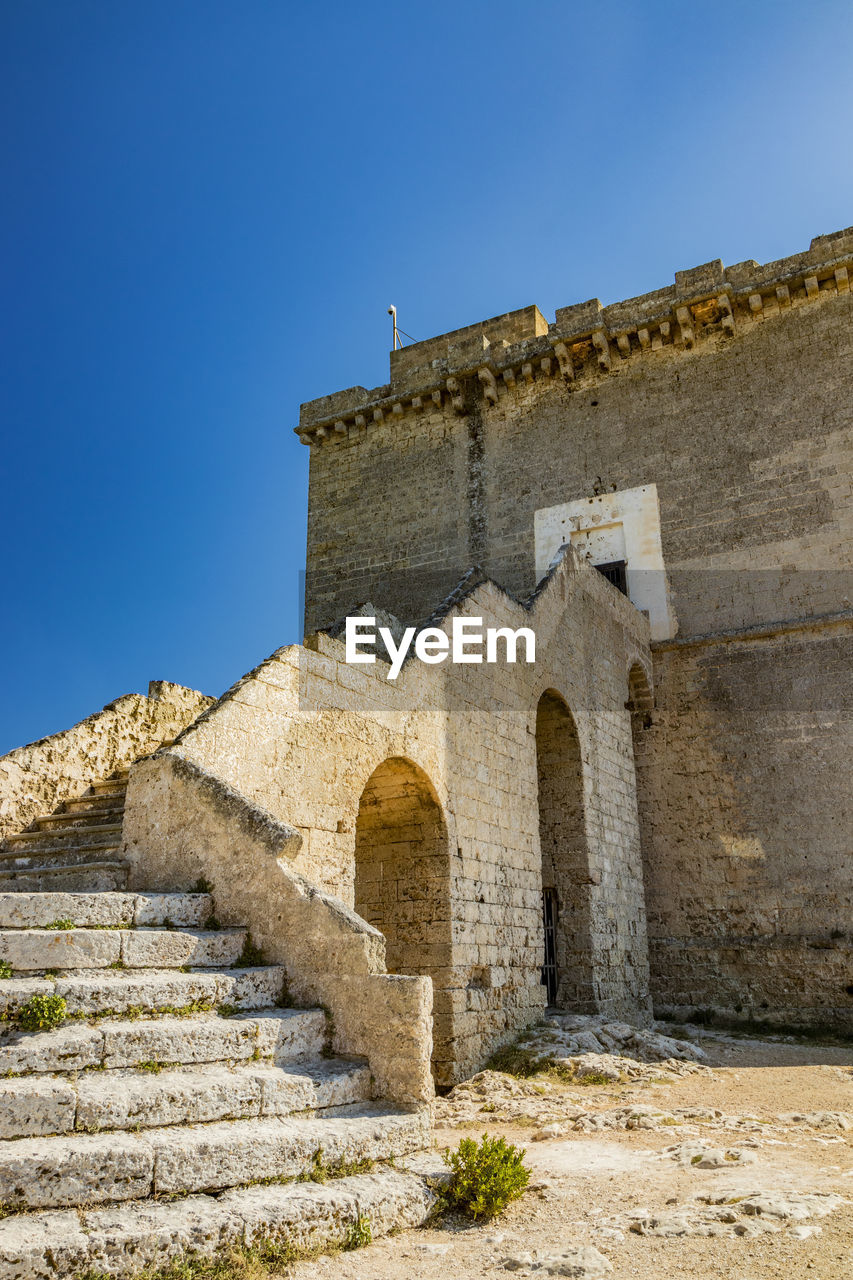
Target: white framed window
<point>611,528</point>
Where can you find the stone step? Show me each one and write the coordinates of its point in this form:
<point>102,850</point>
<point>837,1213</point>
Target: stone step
<point>63,839</point>
<point>37,910</point>
<point>25,860</point>
<point>40,1106</point>
<point>80,818</point>
<point>282,1035</point>
<point>95,803</point>
<point>88,1169</point>
<point>33,876</point>
<point>39,949</point>
<point>116,992</point>
<point>121,1240</point>
<point>116,782</point>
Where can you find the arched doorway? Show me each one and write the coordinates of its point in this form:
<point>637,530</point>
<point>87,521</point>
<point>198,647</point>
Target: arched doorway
<point>567,966</point>
<point>402,883</point>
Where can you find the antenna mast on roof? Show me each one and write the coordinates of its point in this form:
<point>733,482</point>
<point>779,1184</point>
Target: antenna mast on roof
<point>392,311</point>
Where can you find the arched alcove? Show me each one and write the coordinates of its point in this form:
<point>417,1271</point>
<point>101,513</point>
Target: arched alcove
<point>567,968</point>
<point>402,880</point>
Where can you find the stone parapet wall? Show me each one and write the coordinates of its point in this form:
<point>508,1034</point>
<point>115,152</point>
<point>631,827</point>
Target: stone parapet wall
<point>183,824</point>
<point>37,778</point>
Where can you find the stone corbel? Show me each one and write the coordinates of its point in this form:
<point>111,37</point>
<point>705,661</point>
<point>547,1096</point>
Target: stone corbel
<point>602,346</point>
<point>545,365</point>
<point>623,342</point>
<point>456,395</point>
<point>644,338</point>
<point>684,317</point>
<point>320,433</point>
<point>842,280</point>
<point>436,396</point>
<point>340,428</point>
<point>527,372</point>
<point>417,403</point>
<point>812,286</point>
<point>756,304</point>
<point>490,386</point>
<point>783,293</point>
<point>724,302</point>
<point>378,415</point>
<point>360,421</point>
<point>509,378</point>
<point>397,410</point>
<point>564,356</point>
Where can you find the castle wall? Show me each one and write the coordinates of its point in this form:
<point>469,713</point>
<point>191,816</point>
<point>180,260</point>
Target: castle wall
<point>730,392</point>
<point>305,733</point>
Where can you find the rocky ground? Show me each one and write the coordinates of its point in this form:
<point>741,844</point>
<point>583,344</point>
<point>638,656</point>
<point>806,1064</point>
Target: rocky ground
<point>652,1159</point>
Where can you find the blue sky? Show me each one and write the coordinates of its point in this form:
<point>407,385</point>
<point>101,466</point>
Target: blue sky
<point>208,207</point>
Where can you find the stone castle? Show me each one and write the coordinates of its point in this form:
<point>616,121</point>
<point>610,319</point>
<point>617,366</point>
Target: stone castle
<point>268,925</point>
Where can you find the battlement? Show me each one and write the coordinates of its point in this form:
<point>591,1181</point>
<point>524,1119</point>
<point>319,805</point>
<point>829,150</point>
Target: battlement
<point>586,340</point>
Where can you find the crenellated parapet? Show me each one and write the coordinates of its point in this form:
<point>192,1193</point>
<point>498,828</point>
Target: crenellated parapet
<point>503,356</point>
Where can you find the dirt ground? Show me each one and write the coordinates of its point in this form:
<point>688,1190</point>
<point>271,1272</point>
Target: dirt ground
<point>707,1180</point>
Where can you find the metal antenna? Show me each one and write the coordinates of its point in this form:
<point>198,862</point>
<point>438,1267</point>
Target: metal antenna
<point>392,311</point>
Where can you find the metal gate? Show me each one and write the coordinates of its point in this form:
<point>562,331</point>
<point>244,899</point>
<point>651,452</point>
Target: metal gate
<point>549,919</point>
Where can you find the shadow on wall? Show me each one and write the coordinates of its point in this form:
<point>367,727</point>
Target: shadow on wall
<point>402,883</point>
<point>568,967</point>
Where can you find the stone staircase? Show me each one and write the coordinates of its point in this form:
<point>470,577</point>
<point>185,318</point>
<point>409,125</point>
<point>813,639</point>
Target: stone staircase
<point>75,848</point>
<point>179,1105</point>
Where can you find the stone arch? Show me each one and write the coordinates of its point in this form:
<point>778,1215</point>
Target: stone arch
<point>640,695</point>
<point>402,882</point>
<point>565,852</point>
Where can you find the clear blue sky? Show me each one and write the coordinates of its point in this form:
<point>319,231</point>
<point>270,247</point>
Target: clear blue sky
<point>208,206</point>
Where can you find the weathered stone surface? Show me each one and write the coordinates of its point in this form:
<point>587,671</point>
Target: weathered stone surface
<point>84,1169</point>
<point>34,1106</point>
<point>35,779</point>
<point>309,1085</point>
<point>197,1039</point>
<point>149,989</point>
<point>69,1048</point>
<point>582,1262</point>
<point>122,1239</point>
<point>17,991</point>
<point>285,1034</point>
<point>184,910</point>
<point>37,910</point>
<point>164,948</point>
<point>226,1155</point>
<point>60,948</point>
<point>123,1100</point>
<point>38,1246</point>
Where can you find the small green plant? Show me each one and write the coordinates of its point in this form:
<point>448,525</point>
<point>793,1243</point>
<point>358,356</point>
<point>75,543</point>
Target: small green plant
<point>202,886</point>
<point>117,964</point>
<point>359,1233</point>
<point>64,923</point>
<point>484,1176</point>
<point>42,1013</point>
<point>212,923</point>
<point>151,1066</point>
<point>251,955</point>
<point>227,1010</point>
<point>515,1061</point>
<point>6,970</point>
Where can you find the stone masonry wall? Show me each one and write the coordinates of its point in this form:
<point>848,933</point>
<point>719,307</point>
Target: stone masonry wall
<point>746,812</point>
<point>37,778</point>
<point>729,391</point>
<point>304,733</point>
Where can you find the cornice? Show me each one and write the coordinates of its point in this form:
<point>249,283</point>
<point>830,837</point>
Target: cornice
<point>706,304</point>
